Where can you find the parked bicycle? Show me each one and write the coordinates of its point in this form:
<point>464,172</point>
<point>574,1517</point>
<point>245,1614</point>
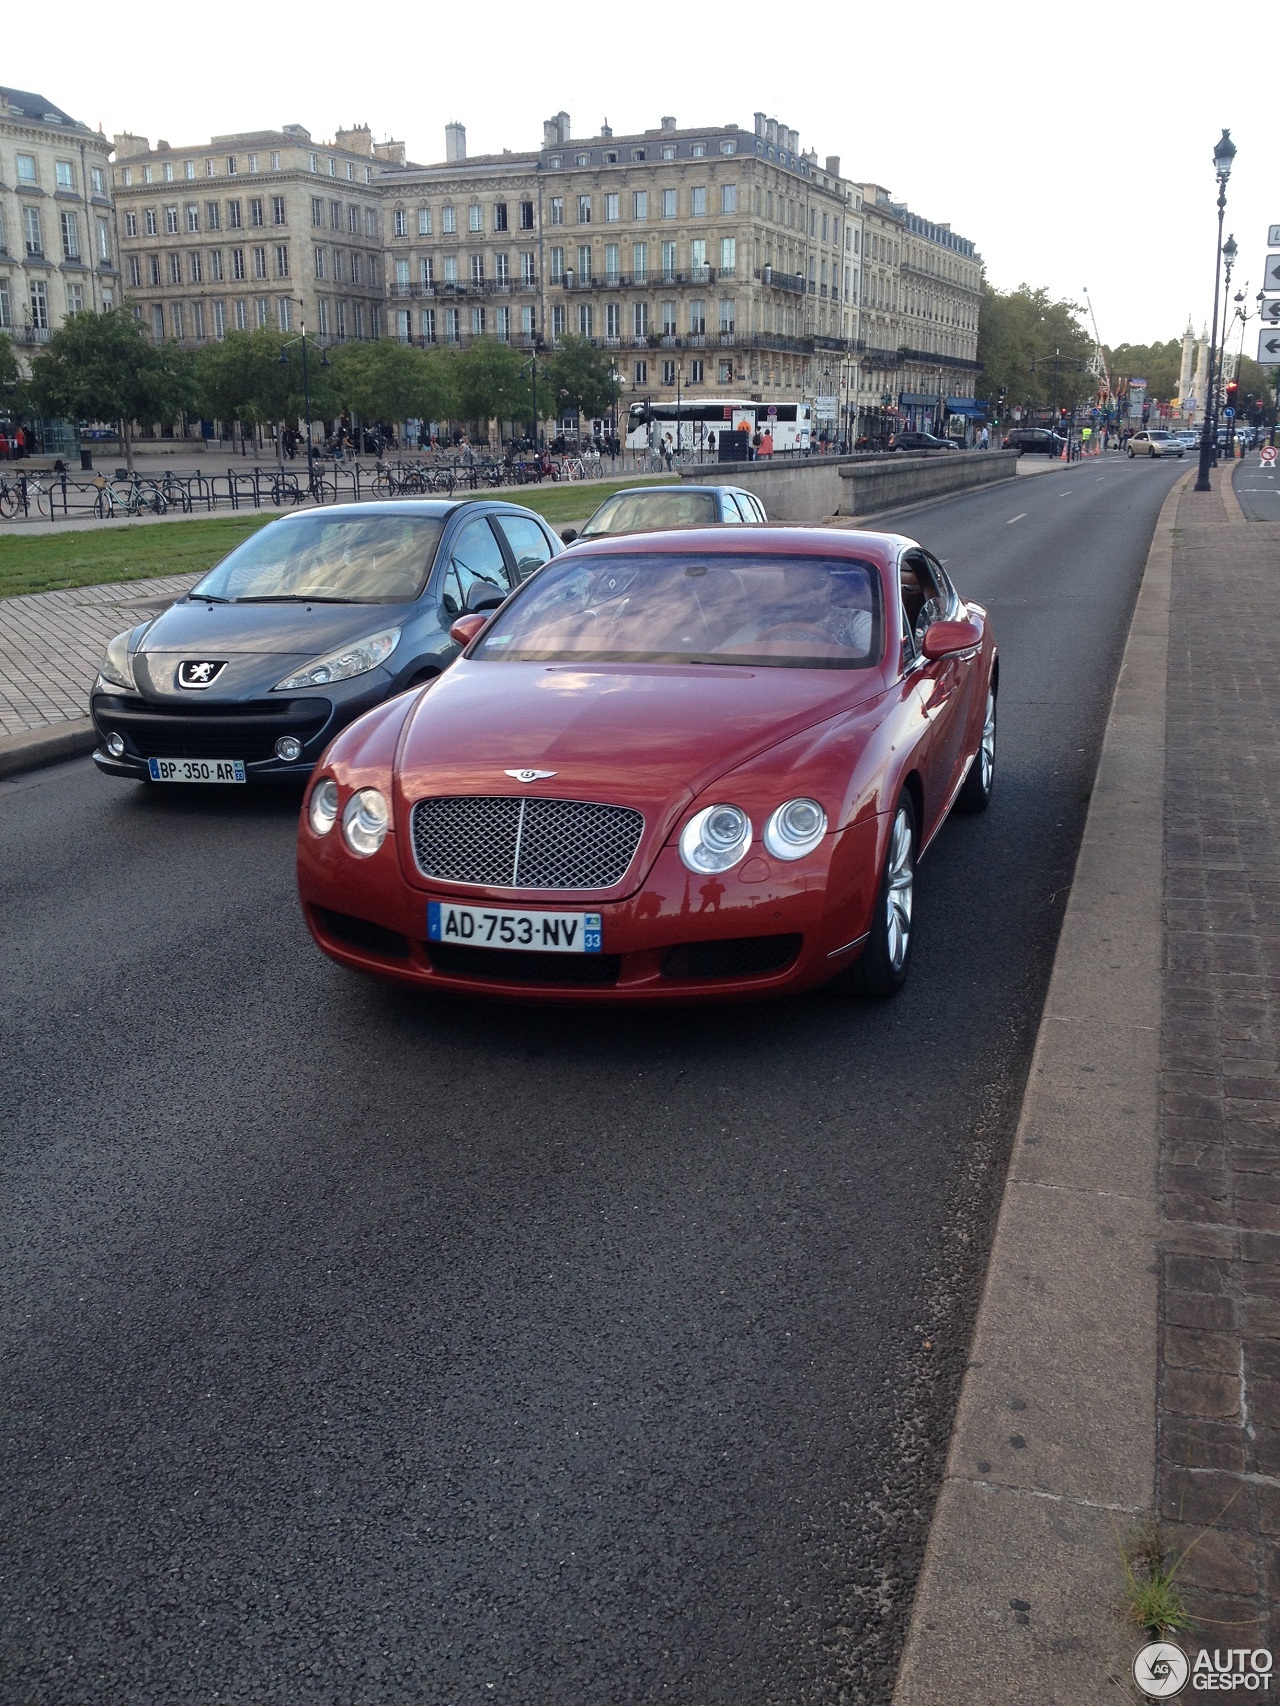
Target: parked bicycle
<point>127,497</point>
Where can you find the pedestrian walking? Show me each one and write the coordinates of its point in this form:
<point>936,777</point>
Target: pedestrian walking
<point>766,443</point>
<point>984,439</point>
<point>667,451</point>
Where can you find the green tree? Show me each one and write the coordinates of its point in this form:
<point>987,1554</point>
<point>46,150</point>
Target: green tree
<point>580,377</point>
<point>491,383</point>
<point>257,377</point>
<point>1255,381</point>
<point>102,367</point>
<point>12,385</point>
<point>1018,334</point>
<point>1159,364</point>
<point>392,382</point>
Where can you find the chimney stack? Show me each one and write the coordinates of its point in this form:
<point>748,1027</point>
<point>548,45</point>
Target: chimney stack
<point>761,123</point>
<point>562,124</point>
<point>833,165</point>
<point>455,141</point>
<point>668,123</point>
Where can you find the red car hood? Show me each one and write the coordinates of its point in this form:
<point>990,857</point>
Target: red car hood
<point>652,736</point>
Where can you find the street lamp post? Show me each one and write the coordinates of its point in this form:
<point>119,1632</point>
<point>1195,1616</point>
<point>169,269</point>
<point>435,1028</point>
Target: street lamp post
<point>1229,253</point>
<point>306,392</point>
<point>1223,155</point>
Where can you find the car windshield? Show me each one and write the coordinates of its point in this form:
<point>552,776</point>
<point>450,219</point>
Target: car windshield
<point>784,612</point>
<point>356,559</point>
<point>635,512</point>
<point>1161,436</point>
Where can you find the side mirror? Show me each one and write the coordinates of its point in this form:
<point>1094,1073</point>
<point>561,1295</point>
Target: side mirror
<point>465,629</point>
<point>941,639</point>
<point>568,534</point>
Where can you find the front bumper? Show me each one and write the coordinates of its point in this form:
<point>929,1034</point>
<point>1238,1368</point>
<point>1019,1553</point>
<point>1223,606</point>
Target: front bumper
<point>761,930</point>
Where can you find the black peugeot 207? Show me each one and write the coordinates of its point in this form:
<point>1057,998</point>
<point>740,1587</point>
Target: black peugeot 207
<point>312,620</point>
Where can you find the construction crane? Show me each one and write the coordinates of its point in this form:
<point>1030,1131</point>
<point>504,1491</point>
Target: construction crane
<point>1099,354</point>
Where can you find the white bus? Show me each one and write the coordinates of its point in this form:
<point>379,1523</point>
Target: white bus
<point>692,424</point>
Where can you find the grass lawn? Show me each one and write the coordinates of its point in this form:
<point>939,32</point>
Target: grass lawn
<point>48,561</point>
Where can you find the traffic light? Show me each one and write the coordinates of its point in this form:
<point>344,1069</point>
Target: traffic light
<point>1233,391</point>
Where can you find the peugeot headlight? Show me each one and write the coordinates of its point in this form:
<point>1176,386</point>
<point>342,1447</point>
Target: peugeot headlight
<point>715,839</point>
<point>322,808</point>
<point>116,669</point>
<point>355,659</point>
<point>795,829</point>
<point>365,821</point>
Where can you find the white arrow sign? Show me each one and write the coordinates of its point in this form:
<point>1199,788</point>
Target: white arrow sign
<point>1271,273</point>
<point>1268,349</point>
<point>1270,311</point>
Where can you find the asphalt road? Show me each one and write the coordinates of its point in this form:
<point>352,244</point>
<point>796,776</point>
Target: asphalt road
<point>357,1348</point>
<point>1257,488</point>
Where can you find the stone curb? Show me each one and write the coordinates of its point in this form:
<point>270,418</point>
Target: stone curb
<point>37,747</point>
<point>1052,1454</point>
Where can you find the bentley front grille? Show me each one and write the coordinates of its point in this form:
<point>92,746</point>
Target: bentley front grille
<point>511,841</point>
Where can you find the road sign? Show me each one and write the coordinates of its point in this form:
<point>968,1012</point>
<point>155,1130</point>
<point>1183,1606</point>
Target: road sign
<point>1228,414</point>
<point>1273,236</point>
<point>1271,273</point>
<point>1267,455</point>
<point>1270,311</point>
<point>1268,349</point>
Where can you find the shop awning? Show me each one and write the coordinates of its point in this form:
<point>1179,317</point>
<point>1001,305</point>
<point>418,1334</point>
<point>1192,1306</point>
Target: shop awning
<point>919,400</point>
<point>966,406</point>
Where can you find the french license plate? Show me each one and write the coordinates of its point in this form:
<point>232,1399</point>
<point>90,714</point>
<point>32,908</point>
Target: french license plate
<point>540,932</point>
<point>196,769</point>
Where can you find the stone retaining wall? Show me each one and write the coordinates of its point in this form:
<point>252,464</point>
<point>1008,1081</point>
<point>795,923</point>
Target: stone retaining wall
<point>811,488</point>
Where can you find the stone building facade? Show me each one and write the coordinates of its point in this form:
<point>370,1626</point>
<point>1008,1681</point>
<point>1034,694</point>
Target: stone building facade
<point>265,228</point>
<point>57,231</point>
<point>709,260</point>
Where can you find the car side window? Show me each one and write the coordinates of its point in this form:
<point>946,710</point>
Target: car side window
<point>756,508</point>
<point>476,576</point>
<point>732,510</point>
<point>923,601</point>
<point>948,596</point>
<point>527,542</point>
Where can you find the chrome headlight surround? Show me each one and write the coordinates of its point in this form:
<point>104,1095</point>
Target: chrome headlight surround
<point>357,658</point>
<point>715,839</point>
<point>366,818</point>
<point>116,668</point>
<point>795,829</point>
<point>322,807</point>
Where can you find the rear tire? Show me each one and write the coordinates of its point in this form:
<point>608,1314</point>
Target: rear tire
<point>886,959</point>
<point>975,793</point>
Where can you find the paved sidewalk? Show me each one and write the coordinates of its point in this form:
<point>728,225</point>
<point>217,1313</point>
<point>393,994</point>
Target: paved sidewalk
<point>1125,1362</point>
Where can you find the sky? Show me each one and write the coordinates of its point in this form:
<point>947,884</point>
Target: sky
<point>1073,144</point>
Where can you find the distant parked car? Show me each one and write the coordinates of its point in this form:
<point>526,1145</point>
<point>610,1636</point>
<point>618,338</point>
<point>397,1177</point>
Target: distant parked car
<point>1034,441</point>
<point>1156,443</point>
<point>648,509</point>
<point>916,441</point>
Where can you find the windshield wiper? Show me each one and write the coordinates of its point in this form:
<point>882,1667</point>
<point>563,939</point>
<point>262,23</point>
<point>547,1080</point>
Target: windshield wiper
<point>209,597</point>
<point>296,598</point>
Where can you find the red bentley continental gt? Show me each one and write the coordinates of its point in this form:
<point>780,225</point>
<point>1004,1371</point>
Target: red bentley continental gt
<point>673,766</point>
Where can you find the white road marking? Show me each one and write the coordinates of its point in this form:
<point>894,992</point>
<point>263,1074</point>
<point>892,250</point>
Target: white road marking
<point>1067,493</point>
<point>1014,518</point>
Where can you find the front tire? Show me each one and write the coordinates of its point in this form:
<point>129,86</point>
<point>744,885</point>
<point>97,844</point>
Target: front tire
<point>975,794</point>
<point>886,959</point>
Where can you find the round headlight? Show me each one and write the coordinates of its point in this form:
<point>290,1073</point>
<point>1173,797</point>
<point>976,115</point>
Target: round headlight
<point>288,747</point>
<point>365,821</point>
<point>322,811</point>
<point>795,829</point>
<point>715,839</point>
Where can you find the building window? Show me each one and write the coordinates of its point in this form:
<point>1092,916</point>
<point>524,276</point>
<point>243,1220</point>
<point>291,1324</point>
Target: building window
<point>262,310</point>
<point>277,210</point>
<point>255,211</point>
<point>175,268</point>
<point>400,223</point>
<point>559,322</point>
<point>477,269</point>
<point>242,316</point>
<point>215,265</point>
<point>426,272</point>
<point>176,314</point>
<point>668,150</point>
<point>475,217</point>
<point>611,252</point>
<point>171,221</point>
<point>26,168</point>
<point>153,271</point>
<point>640,204</point>
<point>196,267</point>
<point>135,272</point>
<point>499,215</point>
<point>131,225</point>
<point>451,325</point>
<point>428,325</point>
<point>355,266</point>
<point>284,313</point>
<point>282,260</point>
<point>528,322</point>
<point>70,236</point>
<point>502,325</point>
<point>584,210</point>
<point>557,266</point>
<point>528,268</point>
<point>557,210</point>
<point>6,306</point>
<point>584,263</point>
<point>668,373</point>
<point>585,319</point>
<point>698,259</point>
<point>555,162</point>
<point>698,317</point>
<point>728,147</point>
<point>612,209</point>
<point>232,167</point>
<point>157,323</point>
<point>727,313</point>
<point>698,150</point>
<point>729,256</point>
<point>697,370</point>
<point>97,177</point>
<point>698,201</point>
<point>728,198</point>
<point>237,263</point>
<point>613,320</point>
<point>146,174</point>
<point>668,263</point>
<point>259,263</point>
<point>404,325</point>
<point>275,162</point>
<point>212,216</point>
<point>353,219</point>
<point>149,220</point>
<point>126,177</point>
<point>640,319</point>
<point>193,217</point>
<point>424,222</point>
<point>451,269</point>
<point>324,316</point>
<point>233,215</point>
<point>640,263</point>
<point>502,268</point>
<point>371,222</point>
<point>640,373</point>
<point>526,216</point>
<point>724,372</point>
<point>64,174</point>
<point>449,220</point>
<point>219,320</point>
<point>668,204</point>
<point>75,299</point>
<point>32,236</point>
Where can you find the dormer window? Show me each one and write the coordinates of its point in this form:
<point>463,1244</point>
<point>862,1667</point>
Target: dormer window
<point>668,151</point>
<point>584,159</point>
<point>556,160</point>
<point>637,153</point>
<point>611,158</point>
<point>698,150</point>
